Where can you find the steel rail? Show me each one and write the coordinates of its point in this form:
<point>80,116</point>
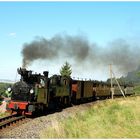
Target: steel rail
<point>7,121</point>
<point>7,117</point>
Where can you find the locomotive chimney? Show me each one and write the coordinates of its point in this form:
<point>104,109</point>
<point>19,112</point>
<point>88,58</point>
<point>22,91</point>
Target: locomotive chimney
<point>46,74</point>
<point>24,73</point>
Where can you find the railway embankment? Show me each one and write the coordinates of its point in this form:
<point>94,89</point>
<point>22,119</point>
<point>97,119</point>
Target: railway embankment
<point>118,118</point>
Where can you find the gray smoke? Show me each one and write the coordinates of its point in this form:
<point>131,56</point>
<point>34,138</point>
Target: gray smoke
<point>67,46</point>
<point>124,56</point>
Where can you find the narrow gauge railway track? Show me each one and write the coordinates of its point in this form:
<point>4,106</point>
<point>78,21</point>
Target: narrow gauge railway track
<point>7,117</point>
<point>8,120</point>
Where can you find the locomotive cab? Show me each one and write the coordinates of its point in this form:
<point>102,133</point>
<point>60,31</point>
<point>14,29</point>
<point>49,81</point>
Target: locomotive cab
<point>59,91</point>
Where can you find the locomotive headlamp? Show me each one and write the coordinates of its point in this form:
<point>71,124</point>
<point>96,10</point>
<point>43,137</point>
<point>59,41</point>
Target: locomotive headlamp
<point>9,89</point>
<point>31,91</point>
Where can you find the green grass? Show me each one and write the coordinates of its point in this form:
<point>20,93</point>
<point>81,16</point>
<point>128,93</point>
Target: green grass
<point>119,118</point>
<point>137,89</point>
<point>3,88</point>
<point>3,114</point>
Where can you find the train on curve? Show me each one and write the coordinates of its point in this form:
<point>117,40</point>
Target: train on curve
<point>35,93</point>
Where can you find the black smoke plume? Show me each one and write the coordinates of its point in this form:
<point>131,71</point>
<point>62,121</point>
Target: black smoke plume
<point>60,46</point>
<point>124,56</point>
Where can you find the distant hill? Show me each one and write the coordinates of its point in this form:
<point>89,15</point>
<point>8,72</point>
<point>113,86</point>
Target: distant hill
<point>6,81</point>
<point>132,77</point>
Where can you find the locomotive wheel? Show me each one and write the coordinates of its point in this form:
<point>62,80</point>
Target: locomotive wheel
<point>73,98</point>
<point>41,109</point>
<point>19,113</point>
<point>68,101</point>
<point>63,102</point>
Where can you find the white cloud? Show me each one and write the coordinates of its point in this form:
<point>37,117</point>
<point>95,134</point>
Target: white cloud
<point>12,34</point>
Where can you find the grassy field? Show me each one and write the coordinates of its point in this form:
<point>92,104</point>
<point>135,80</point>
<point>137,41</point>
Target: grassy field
<point>119,118</point>
<point>3,114</point>
<point>4,86</point>
<point>137,89</point>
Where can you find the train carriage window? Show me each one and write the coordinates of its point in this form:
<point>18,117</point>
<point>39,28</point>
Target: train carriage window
<point>65,82</point>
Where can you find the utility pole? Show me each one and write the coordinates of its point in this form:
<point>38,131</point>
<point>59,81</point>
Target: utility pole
<point>112,89</point>
<point>110,69</point>
<point>118,85</point>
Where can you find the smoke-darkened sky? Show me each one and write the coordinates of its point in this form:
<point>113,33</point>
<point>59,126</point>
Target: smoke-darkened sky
<point>103,32</point>
<point>124,56</point>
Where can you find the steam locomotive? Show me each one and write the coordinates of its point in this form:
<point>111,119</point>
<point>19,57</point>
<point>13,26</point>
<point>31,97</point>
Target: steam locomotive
<point>35,93</point>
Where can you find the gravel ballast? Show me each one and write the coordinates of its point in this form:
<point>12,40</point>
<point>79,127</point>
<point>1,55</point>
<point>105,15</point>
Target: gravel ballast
<point>32,128</point>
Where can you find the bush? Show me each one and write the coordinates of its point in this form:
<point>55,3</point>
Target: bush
<point>3,88</point>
